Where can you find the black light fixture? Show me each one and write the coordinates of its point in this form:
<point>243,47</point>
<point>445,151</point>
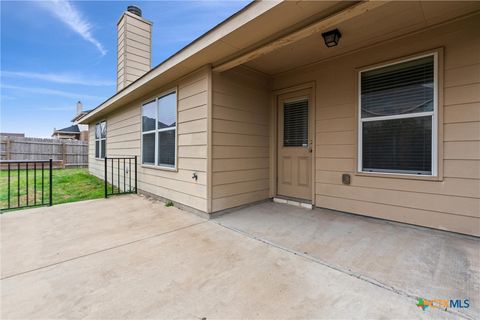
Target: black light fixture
<point>331,37</point>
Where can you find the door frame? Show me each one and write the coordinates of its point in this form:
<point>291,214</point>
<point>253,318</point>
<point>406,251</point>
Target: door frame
<point>274,134</point>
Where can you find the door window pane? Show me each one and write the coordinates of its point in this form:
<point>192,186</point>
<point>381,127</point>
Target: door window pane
<point>399,145</point>
<point>167,114</point>
<point>166,148</point>
<point>295,124</point>
<point>148,148</point>
<point>149,115</point>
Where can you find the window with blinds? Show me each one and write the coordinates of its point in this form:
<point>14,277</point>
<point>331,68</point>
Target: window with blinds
<point>295,123</point>
<point>397,117</point>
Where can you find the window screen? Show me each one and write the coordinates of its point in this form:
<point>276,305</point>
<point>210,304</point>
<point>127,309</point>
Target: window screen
<point>166,148</point>
<point>397,112</point>
<point>97,149</point>
<point>148,148</point>
<point>404,145</point>
<point>295,124</point>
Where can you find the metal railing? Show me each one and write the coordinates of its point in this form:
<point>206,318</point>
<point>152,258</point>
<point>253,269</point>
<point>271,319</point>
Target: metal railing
<point>120,179</point>
<point>30,177</point>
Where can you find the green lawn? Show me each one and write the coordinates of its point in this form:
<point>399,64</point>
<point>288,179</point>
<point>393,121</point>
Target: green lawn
<point>69,185</point>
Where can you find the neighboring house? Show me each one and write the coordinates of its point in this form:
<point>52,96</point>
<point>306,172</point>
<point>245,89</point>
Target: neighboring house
<point>77,131</point>
<point>383,122</point>
<point>69,133</point>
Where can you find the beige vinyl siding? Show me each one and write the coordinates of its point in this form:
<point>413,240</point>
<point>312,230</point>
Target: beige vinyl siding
<point>121,59</point>
<point>453,203</point>
<point>240,139</point>
<point>134,38</point>
<point>124,139</point>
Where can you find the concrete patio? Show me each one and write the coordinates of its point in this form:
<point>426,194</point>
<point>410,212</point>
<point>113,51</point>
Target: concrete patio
<point>130,257</point>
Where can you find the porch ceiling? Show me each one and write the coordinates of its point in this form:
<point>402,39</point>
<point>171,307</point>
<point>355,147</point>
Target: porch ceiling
<point>380,24</point>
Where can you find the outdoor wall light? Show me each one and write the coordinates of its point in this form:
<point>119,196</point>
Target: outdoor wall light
<point>331,37</point>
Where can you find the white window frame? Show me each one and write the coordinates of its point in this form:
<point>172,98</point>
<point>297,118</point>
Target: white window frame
<point>100,139</point>
<point>156,131</point>
<point>433,114</point>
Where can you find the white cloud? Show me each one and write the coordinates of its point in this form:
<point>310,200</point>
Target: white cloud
<point>68,14</point>
<point>46,91</point>
<point>58,78</point>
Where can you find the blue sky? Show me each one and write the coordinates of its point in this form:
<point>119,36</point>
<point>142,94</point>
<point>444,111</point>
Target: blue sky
<point>54,53</point>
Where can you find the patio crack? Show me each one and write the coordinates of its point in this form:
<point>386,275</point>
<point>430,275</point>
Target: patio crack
<point>102,250</point>
<point>345,271</point>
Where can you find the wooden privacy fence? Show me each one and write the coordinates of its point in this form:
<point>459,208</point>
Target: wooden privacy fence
<point>65,153</point>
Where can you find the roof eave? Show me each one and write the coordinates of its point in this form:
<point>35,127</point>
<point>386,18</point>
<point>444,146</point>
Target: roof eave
<point>79,116</point>
<point>67,132</point>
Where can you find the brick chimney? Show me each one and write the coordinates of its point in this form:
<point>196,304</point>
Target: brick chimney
<point>134,36</point>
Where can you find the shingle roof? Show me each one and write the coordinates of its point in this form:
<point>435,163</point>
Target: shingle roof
<point>81,114</point>
<point>73,129</point>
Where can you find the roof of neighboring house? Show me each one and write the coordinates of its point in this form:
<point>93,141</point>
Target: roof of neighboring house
<point>71,129</point>
<point>248,28</point>
<point>80,115</point>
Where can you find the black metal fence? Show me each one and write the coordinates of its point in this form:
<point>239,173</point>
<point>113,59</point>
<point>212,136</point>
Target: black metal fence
<point>120,175</point>
<point>27,183</point>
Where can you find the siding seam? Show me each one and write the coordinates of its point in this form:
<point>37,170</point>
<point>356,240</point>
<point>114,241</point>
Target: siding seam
<point>395,205</point>
<point>400,190</point>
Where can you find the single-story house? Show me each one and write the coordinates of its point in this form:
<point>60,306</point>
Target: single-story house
<point>77,131</point>
<point>371,108</point>
<point>69,133</point>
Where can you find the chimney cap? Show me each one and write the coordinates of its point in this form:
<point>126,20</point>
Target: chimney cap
<point>135,10</point>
